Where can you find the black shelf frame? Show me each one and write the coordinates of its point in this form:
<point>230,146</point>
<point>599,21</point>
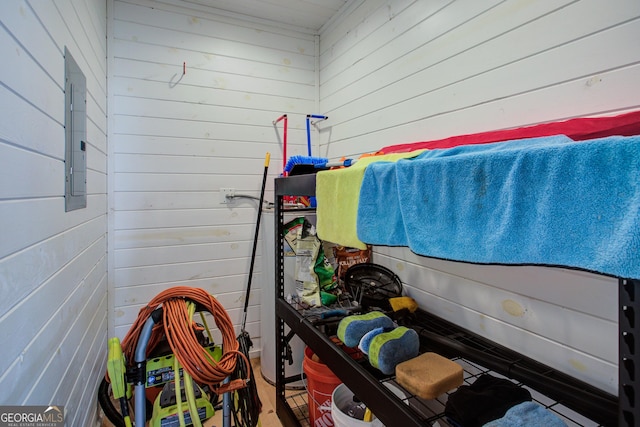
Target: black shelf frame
<point>629,352</point>
<point>390,409</point>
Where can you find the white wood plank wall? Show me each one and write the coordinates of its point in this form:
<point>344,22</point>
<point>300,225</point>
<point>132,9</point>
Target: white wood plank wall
<point>388,71</point>
<point>397,71</point>
<point>177,139</point>
<point>53,264</point>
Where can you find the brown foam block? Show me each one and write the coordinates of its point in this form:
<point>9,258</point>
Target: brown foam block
<point>429,375</point>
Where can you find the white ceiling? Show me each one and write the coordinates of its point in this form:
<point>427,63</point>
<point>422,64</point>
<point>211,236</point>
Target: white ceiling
<point>310,15</point>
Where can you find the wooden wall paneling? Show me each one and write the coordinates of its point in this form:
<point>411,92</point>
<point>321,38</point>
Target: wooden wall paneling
<point>341,28</point>
<point>53,263</point>
<point>452,81</point>
<point>377,43</point>
<point>130,295</point>
<point>541,283</point>
<point>575,362</point>
<point>180,271</point>
<point>605,93</point>
<point>30,127</point>
<point>24,71</point>
<point>21,225</point>
<point>179,236</point>
<point>182,217</point>
<point>22,273</point>
<point>153,184</point>
<point>40,322</point>
<point>81,346</point>
<point>506,81</point>
<point>277,103</point>
<point>405,39</point>
<point>213,26</point>
<point>45,184</point>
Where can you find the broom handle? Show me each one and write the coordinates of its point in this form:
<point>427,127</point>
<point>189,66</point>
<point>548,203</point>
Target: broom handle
<point>255,239</point>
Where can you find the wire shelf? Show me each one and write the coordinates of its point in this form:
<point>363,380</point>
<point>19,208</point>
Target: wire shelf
<point>432,411</point>
<point>448,339</point>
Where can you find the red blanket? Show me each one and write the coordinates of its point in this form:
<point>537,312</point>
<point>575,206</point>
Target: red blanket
<point>577,129</point>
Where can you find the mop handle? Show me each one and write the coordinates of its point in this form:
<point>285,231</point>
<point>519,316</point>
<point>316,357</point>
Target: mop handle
<point>255,238</point>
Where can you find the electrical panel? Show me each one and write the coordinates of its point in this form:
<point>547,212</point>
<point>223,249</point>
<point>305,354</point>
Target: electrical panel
<point>75,123</point>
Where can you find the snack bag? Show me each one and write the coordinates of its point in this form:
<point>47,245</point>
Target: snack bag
<point>324,270</point>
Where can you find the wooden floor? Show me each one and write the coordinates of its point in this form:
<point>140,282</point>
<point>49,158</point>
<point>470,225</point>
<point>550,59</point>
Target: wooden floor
<point>267,394</point>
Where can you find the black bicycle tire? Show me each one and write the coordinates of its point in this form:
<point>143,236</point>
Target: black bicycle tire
<point>355,272</point>
<point>107,406</point>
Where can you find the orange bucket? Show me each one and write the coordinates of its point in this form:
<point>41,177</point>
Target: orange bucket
<point>320,385</point>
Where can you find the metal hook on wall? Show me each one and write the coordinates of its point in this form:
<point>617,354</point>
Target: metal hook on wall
<point>173,84</point>
<point>317,116</point>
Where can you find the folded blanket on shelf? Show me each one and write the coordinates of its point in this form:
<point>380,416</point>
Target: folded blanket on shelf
<point>337,198</point>
<point>543,201</point>
<point>578,129</point>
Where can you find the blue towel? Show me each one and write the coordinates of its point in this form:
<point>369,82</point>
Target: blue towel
<point>527,414</point>
<point>379,219</point>
<point>546,201</point>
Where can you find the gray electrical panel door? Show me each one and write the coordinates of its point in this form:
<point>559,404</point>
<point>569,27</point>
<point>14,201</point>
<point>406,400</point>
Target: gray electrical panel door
<point>75,123</point>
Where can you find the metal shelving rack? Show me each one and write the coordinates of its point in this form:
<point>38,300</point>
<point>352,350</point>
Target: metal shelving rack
<point>391,410</point>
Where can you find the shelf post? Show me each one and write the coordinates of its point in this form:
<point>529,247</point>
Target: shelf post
<point>629,347</point>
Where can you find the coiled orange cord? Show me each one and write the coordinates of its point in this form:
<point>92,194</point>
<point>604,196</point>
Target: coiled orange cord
<point>177,327</point>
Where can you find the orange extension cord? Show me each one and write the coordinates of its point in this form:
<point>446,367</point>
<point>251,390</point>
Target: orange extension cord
<point>177,327</point>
